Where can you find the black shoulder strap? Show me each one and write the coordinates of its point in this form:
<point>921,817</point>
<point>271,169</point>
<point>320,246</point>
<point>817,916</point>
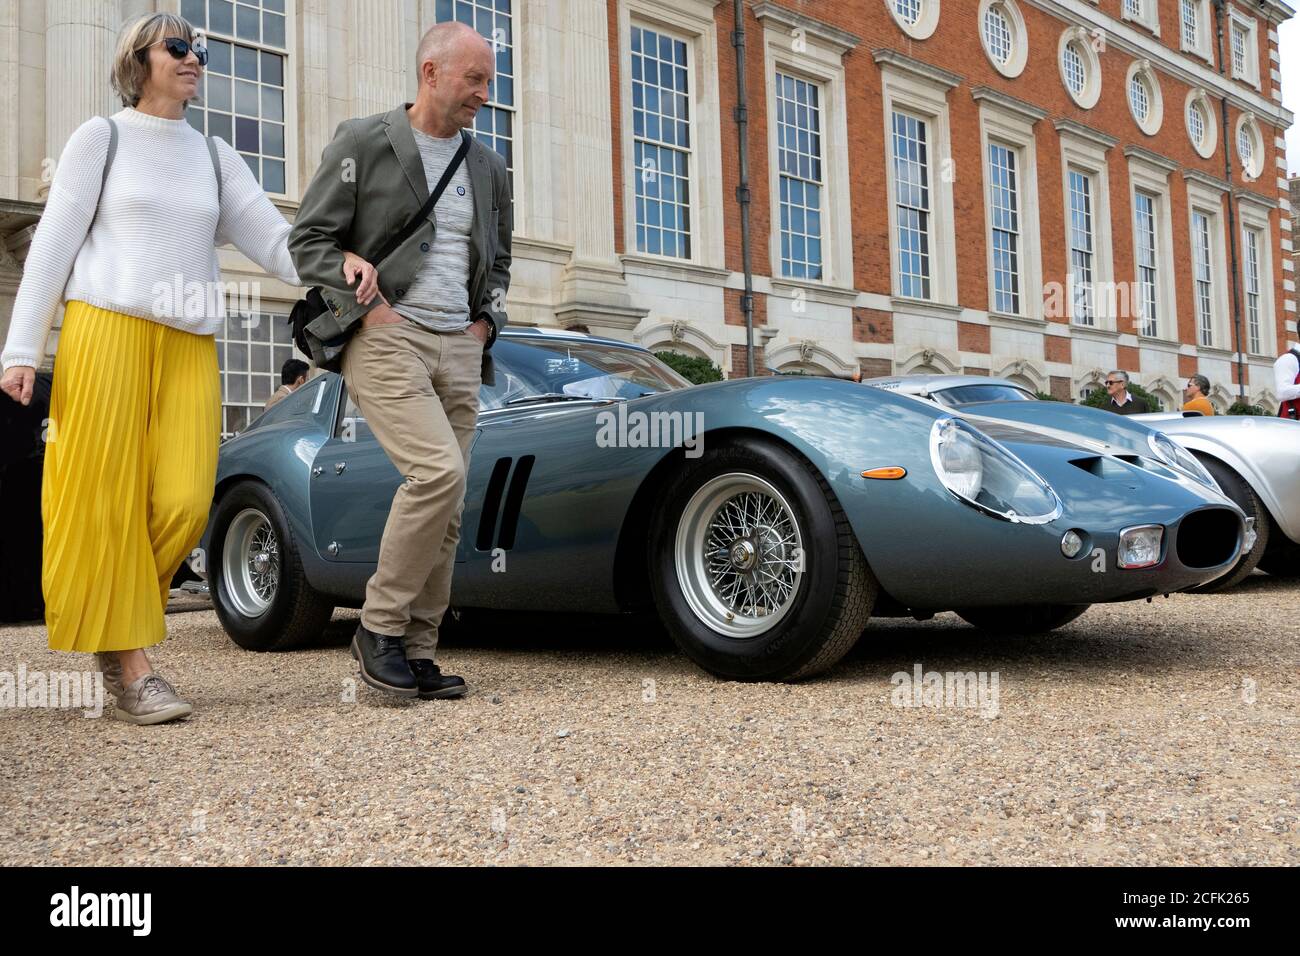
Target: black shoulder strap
<point>216,165</point>
<point>108,164</point>
<point>112,151</point>
<point>429,203</point>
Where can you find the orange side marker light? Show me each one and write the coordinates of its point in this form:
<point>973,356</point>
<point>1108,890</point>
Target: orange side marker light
<point>889,473</point>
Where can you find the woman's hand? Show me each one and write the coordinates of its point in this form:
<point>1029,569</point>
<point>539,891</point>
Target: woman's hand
<point>353,267</point>
<point>18,383</point>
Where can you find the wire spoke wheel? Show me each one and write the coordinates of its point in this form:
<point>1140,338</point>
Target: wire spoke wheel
<point>739,555</point>
<point>251,562</point>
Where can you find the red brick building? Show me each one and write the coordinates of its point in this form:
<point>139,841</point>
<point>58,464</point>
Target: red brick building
<point>1028,188</point>
<point>1006,187</point>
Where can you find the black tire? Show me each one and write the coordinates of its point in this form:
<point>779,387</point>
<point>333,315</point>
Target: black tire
<point>1022,620</point>
<point>295,615</point>
<point>1236,488</point>
<point>1282,559</point>
<point>833,595</point>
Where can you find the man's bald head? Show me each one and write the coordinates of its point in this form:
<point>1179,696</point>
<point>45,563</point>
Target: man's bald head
<point>455,70</point>
<point>445,42</point>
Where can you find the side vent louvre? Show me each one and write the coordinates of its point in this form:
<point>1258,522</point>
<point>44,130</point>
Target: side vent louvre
<point>514,501</point>
<point>487,523</point>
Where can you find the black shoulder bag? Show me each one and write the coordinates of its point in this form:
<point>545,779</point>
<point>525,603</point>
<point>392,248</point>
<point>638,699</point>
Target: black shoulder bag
<point>312,305</point>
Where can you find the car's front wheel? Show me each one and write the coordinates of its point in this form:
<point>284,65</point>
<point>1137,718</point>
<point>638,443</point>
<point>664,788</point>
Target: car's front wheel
<point>1022,620</point>
<point>754,567</point>
<point>255,575</point>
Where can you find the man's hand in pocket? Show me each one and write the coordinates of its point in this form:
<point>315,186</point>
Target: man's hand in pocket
<point>381,314</point>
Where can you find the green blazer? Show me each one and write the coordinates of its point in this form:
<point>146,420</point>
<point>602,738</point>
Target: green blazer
<point>369,184</point>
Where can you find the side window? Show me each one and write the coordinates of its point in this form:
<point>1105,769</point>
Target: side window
<point>351,425</point>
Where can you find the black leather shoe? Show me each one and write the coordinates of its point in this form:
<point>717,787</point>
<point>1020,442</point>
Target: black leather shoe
<point>434,684</point>
<point>383,662</point>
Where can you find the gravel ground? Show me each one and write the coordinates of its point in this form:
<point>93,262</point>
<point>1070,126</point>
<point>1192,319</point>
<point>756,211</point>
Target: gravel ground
<point>1161,733</point>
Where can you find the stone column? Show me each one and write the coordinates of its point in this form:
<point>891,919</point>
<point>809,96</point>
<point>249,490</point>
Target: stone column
<point>80,39</point>
<point>594,290</point>
<point>379,60</point>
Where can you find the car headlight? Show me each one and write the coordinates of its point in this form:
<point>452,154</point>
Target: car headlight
<point>1140,547</point>
<point>987,476</point>
<point>1175,455</point>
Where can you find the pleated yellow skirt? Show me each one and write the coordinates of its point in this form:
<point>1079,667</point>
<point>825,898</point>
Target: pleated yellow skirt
<point>130,463</point>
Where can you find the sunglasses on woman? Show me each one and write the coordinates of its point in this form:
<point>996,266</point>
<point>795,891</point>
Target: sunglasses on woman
<point>179,49</point>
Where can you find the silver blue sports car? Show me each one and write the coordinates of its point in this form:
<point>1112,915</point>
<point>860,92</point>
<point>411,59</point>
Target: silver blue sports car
<point>1255,461</point>
<point>764,519</point>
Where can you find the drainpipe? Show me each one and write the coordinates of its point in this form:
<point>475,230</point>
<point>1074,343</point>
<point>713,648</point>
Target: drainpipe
<point>1232,222</point>
<point>742,191</point>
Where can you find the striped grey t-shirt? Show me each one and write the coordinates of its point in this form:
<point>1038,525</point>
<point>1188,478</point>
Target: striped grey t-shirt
<point>438,296</point>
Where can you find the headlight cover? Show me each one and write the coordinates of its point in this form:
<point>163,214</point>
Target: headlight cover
<point>987,476</point>
<point>1175,455</point>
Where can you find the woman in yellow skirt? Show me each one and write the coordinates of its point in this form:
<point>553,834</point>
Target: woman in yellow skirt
<point>128,240</point>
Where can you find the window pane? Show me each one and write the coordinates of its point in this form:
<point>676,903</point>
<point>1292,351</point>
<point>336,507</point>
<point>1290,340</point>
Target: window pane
<point>273,139</point>
<point>218,92</point>
<point>245,98</point>
<point>222,14</point>
<point>246,23</point>
<point>272,103</point>
<point>219,125</point>
<point>245,63</point>
<point>273,175</point>
<point>273,29</point>
<point>246,134</point>
<point>272,69</point>
<point>218,57</point>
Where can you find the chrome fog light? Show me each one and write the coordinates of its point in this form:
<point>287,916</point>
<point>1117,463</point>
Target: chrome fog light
<point>1140,547</point>
<point>1071,543</point>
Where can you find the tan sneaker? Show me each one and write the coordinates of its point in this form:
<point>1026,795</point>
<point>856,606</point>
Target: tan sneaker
<point>111,668</point>
<point>150,700</point>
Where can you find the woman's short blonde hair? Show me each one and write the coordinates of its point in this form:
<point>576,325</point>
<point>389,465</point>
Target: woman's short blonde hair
<point>129,74</point>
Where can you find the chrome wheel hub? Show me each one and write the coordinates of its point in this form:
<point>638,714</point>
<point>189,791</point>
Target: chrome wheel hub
<point>738,554</point>
<point>250,563</point>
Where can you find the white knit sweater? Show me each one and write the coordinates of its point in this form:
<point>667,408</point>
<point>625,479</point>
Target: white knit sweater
<point>152,249</point>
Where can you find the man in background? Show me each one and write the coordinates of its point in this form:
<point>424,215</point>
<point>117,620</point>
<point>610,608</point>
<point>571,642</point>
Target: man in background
<point>1195,395</point>
<point>1286,382</point>
<point>1121,402</point>
<point>292,376</point>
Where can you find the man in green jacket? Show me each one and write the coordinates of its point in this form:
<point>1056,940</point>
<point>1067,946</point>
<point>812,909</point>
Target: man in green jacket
<point>425,320</point>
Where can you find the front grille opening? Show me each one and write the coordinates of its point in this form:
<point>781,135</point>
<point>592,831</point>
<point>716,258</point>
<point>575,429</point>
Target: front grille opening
<point>1207,539</point>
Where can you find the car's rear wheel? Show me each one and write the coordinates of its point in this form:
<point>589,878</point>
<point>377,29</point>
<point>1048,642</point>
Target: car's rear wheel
<point>754,567</point>
<point>256,579</point>
<point>1022,620</point>
<point>1236,488</point>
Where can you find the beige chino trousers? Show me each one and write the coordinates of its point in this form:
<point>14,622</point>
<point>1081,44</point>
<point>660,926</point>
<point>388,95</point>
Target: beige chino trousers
<point>418,391</point>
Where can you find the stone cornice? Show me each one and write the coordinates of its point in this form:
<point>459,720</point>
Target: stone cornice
<point>918,68</point>
<point>1007,102</point>
<point>1151,159</point>
<point>841,41</point>
<point>1079,131</point>
<point>1206,180</point>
